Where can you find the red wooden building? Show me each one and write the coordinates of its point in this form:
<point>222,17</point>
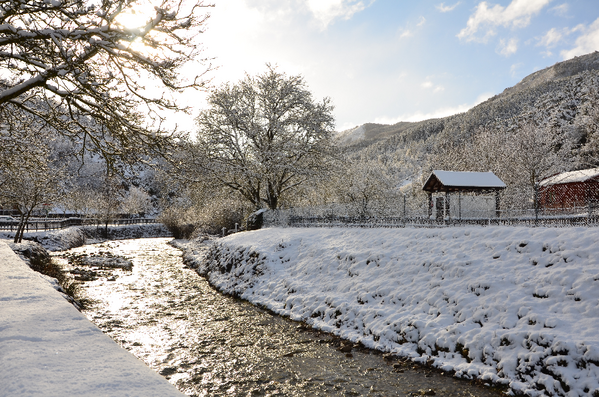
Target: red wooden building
<point>570,189</point>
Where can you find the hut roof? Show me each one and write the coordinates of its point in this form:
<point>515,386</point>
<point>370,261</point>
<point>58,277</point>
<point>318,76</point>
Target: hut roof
<point>571,177</point>
<point>453,181</point>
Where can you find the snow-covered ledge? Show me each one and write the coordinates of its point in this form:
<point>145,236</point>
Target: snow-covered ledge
<point>48,348</point>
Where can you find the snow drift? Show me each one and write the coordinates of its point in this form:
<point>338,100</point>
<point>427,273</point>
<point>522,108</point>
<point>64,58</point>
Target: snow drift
<point>517,306</point>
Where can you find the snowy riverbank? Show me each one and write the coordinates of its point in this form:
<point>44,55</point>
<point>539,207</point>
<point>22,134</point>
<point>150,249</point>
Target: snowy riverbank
<point>517,306</point>
<point>48,348</point>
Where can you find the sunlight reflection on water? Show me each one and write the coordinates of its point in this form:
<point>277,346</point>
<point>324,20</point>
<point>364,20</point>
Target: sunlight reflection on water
<point>208,344</point>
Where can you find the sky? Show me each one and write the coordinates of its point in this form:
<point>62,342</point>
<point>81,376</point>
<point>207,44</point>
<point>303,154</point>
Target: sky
<point>385,61</point>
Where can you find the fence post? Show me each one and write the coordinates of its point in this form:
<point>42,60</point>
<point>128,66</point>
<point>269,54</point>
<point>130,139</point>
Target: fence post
<point>446,209</point>
<point>536,202</point>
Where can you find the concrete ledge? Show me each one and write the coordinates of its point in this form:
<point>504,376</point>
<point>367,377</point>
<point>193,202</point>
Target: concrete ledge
<point>48,348</point>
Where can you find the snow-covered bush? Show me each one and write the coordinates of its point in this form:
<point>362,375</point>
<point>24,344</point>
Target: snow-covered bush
<point>179,221</point>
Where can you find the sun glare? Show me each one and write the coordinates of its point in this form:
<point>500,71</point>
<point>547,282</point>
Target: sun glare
<point>136,17</point>
<point>133,20</point>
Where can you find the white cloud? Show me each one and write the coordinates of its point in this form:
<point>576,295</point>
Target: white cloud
<point>443,8</point>
<point>411,27</point>
<point>507,48</point>
<point>406,33</point>
<point>561,10</point>
<point>429,84</point>
<point>441,112</point>
<point>486,17</point>
<point>587,42</point>
<point>551,38</point>
<point>554,36</point>
<point>325,11</point>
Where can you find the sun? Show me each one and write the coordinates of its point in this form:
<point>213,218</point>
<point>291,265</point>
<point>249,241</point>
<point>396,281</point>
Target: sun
<point>137,16</point>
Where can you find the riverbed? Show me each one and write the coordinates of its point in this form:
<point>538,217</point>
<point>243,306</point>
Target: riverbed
<point>209,344</point>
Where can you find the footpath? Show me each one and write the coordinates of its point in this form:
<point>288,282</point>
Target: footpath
<point>48,348</point>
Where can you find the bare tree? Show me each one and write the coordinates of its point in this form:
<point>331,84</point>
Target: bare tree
<point>86,68</point>
<point>531,157</point>
<point>264,137</point>
<point>27,189</point>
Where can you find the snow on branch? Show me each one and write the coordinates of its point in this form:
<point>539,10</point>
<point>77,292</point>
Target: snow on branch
<point>88,57</point>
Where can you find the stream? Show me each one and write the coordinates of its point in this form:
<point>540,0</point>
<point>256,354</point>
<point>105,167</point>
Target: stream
<point>210,344</point>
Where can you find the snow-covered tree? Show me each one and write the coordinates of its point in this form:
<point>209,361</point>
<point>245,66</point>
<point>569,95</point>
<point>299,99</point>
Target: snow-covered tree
<point>588,124</point>
<point>137,202</point>
<point>100,72</point>
<point>21,144</point>
<point>366,189</point>
<point>31,173</point>
<point>109,200</point>
<point>27,188</point>
<point>264,136</point>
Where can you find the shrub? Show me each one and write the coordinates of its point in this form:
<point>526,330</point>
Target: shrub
<point>179,221</point>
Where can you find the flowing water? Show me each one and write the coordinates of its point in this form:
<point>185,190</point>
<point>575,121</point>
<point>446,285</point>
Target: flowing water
<point>209,344</point>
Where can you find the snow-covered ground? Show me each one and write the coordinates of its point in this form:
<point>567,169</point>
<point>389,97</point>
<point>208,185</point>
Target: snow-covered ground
<point>517,306</point>
<point>48,348</point>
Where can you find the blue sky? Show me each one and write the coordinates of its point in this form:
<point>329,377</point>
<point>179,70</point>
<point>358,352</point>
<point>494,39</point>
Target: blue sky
<point>386,61</point>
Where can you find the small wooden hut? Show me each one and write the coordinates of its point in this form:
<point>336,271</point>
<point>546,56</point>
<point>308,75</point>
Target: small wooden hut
<point>451,182</point>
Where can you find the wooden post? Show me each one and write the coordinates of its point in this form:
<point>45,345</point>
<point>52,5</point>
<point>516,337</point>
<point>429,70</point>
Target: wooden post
<point>430,204</point>
<point>497,204</point>
<point>446,207</point>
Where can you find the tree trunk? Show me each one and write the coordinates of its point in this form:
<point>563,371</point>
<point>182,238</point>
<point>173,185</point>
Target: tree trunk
<point>272,198</point>
<point>18,232</point>
<point>21,228</point>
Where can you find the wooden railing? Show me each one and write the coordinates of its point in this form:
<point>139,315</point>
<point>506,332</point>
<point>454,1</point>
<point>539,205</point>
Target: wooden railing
<point>56,224</point>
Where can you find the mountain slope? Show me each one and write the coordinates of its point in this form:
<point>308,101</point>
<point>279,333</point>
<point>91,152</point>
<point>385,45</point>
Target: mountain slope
<point>512,102</point>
